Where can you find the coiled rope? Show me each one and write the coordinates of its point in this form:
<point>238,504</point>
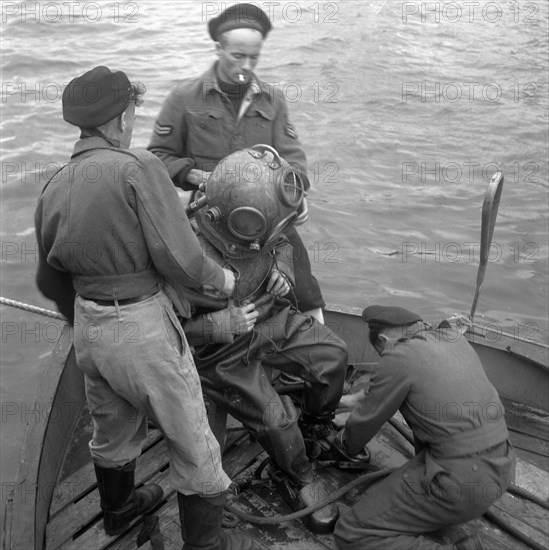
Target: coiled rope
<point>32,309</point>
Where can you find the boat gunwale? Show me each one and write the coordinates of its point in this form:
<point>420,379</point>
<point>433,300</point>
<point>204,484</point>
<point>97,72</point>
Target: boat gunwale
<point>534,351</point>
<point>26,519</point>
<point>27,510</point>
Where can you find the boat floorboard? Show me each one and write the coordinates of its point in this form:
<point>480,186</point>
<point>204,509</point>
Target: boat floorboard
<point>75,518</point>
<point>529,429</point>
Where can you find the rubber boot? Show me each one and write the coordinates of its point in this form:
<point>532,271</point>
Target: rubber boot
<point>201,525</point>
<point>120,501</point>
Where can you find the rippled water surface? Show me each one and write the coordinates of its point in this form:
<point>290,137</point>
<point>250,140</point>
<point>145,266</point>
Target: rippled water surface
<point>405,114</point>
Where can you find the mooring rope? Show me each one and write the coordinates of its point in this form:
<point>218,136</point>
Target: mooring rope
<point>32,309</point>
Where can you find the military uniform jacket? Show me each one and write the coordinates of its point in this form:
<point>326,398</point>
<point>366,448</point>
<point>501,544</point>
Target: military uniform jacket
<point>437,382</point>
<point>198,126</point>
<point>111,223</point>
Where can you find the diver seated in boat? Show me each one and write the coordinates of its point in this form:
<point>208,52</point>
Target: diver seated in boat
<point>249,199</point>
<point>463,460</point>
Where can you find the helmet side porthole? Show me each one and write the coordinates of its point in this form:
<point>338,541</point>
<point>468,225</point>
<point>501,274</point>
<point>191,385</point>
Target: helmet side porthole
<point>290,190</point>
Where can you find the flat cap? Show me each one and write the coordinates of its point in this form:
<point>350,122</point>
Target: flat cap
<point>96,97</point>
<point>239,16</point>
<point>389,316</point>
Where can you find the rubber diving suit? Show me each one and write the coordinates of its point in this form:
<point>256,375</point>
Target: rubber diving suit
<point>250,198</point>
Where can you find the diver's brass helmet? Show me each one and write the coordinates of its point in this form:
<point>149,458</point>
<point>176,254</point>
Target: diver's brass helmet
<point>249,199</point>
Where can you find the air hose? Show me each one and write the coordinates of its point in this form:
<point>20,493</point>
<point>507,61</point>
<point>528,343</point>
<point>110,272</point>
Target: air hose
<point>363,479</point>
<point>273,520</point>
<point>369,478</point>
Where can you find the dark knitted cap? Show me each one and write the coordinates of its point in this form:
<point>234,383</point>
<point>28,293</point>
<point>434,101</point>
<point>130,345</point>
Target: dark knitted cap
<point>239,16</point>
<point>96,97</point>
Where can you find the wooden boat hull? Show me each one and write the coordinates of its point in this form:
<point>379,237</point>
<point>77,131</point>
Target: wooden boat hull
<point>518,369</point>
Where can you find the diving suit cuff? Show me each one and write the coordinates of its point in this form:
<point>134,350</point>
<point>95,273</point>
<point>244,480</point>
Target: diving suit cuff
<point>216,327</point>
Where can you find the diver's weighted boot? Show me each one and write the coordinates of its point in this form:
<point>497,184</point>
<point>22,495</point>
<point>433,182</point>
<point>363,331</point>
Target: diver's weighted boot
<point>300,496</point>
<point>120,501</point>
<point>201,525</point>
<point>322,521</point>
<point>323,443</point>
<point>316,434</point>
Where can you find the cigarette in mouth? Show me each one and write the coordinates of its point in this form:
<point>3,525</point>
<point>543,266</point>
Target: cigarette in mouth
<point>241,77</point>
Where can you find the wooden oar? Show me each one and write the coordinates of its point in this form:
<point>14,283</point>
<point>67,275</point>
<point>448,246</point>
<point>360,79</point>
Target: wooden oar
<point>489,214</point>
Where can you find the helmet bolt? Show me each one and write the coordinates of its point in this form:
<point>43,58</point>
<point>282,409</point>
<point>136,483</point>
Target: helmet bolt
<point>214,214</point>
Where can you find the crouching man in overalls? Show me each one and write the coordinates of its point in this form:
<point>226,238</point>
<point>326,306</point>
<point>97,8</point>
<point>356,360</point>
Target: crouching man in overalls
<point>249,200</point>
<point>463,460</point>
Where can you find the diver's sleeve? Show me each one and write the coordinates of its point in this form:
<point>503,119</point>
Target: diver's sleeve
<point>208,328</point>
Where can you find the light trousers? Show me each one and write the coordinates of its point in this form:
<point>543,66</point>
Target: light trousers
<point>137,364</point>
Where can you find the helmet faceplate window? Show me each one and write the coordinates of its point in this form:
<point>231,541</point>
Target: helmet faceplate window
<point>247,223</point>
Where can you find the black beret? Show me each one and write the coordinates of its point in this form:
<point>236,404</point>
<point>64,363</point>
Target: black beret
<point>389,316</point>
<point>96,97</point>
<point>239,16</point>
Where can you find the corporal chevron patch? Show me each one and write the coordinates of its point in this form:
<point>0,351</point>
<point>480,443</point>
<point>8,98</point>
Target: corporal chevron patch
<point>290,129</point>
<point>162,130</point>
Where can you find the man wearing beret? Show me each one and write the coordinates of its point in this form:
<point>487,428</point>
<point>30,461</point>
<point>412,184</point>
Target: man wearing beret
<point>114,248</point>
<point>228,109</point>
<point>463,460</point>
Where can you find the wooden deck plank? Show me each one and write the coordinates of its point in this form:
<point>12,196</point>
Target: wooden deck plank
<point>389,449</point>
<point>95,538</point>
<point>532,458</point>
<point>534,431</point>
<point>265,501</point>
<point>503,541</point>
<point>532,479</point>
<point>77,484</point>
<point>240,458</point>
<point>169,527</point>
<point>527,418</point>
<point>533,534</point>
<point>286,536</point>
<point>71,520</point>
<point>529,513</point>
